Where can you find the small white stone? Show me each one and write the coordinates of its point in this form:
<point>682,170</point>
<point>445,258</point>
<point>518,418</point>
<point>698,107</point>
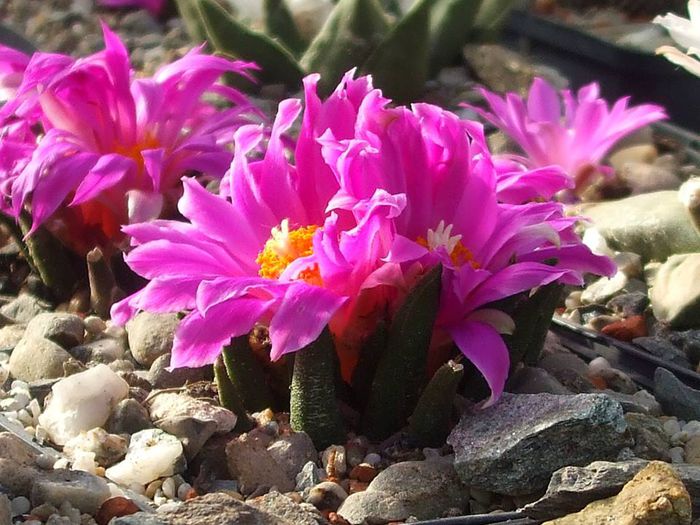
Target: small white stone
<point>372,458</point>
<point>35,409</point>
<point>25,417</point>
<point>20,505</point>
<point>168,488</point>
<point>81,402</point>
<point>169,506</point>
<point>41,434</point>
<point>152,454</point>
<point>21,396</point>
<point>61,463</point>
<point>84,461</point>
<point>160,500</point>
<point>183,490</point>
<point>19,385</point>
<point>672,426</point>
<point>115,490</point>
<point>677,455</point>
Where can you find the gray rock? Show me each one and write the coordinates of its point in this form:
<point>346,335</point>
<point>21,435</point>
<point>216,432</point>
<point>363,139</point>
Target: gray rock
<point>217,508</point>
<point>10,335</point>
<point>36,358</point>
<point>654,225</point>
<point>151,336</point>
<point>372,507</point>
<point>641,402</point>
<point>629,304</point>
<point>23,308</point>
<point>82,490</point>
<point>66,330</point>
<point>676,398</point>
<point>650,439</point>
<point>309,476</point>
<point>426,488</point>
<point>140,518</point>
<point>5,510</point>
<point>18,469</point>
<point>675,296</point>
<point>663,348</point>
<point>689,342</point>
<point>192,420</point>
<point>256,460</point>
<point>160,377</point>
<point>534,380</point>
<point>513,447</point>
<point>630,264</point>
<point>600,291</point>
<point>572,488</point>
<point>284,508</point>
<point>104,350</point>
<point>646,178</point>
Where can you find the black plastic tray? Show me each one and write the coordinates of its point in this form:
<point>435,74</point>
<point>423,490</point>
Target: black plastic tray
<point>584,57</point>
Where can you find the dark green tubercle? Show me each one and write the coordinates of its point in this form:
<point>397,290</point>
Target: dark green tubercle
<point>401,370</point>
<point>313,405</point>
<point>101,281</point>
<point>430,422</point>
<point>50,259</point>
<point>230,398</point>
<point>280,24</point>
<point>247,375</point>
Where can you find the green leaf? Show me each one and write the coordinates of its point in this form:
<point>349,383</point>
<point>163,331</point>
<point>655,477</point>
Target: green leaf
<point>232,38</point>
<point>532,316</point>
<point>193,19</point>
<point>313,408</point>
<point>491,17</point>
<point>450,24</point>
<point>430,422</point>
<point>371,352</point>
<point>279,23</point>
<point>399,65</point>
<point>346,40</point>
<point>401,370</point>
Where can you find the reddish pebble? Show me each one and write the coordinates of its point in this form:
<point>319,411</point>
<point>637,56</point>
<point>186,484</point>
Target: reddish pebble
<point>363,472</point>
<point>114,508</point>
<point>191,494</point>
<point>627,329</point>
<point>334,519</point>
<point>357,486</point>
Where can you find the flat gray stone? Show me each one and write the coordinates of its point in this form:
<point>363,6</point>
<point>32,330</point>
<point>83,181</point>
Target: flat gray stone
<point>653,225</point>
<point>650,439</point>
<point>676,398</point>
<point>572,488</point>
<point>641,402</point>
<point>23,308</point>
<point>217,508</point>
<point>514,446</point>
<point>82,490</point>
<point>286,509</point>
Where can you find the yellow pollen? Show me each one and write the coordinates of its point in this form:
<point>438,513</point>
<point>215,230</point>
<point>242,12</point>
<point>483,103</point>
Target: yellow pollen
<point>133,151</point>
<point>283,248</point>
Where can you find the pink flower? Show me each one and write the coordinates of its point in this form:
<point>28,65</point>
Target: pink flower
<point>155,7</point>
<point>489,250</point>
<point>12,66</point>
<point>114,148</point>
<point>253,254</point>
<point>578,140</point>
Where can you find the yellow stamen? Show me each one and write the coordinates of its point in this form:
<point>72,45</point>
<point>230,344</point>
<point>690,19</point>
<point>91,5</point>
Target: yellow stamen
<point>284,247</point>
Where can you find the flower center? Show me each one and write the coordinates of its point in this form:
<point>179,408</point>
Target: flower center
<point>441,237</point>
<point>284,247</point>
<point>133,151</point>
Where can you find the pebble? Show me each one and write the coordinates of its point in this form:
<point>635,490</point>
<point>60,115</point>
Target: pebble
<point>333,459</point>
<point>94,325</point>
<point>672,426</point>
<point>168,488</point>
<point>20,505</point>
<point>677,455</point>
<point>183,491</point>
<point>372,459</point>
<point>151,336</point>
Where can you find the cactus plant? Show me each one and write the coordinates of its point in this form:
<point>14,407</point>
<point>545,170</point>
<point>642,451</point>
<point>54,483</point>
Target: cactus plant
<point>358,33</point>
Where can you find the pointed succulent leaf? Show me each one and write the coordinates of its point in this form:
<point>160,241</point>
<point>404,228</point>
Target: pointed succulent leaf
<point>451,22</point>
<point>401,369</point>
<point>280,24</point>
<point>399,65</point>
<point>232,38</point>
<point>193,20</point>
<point>491,17</point>
<point>350,34</point>
<point>430,422</point>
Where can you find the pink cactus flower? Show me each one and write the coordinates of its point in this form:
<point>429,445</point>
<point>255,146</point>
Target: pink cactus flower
<point>12,66</point>
<point>113,147</point>
<point>578,140</point>
<point>489,250</point>
<point>155,7</point>
<point>245,256</point>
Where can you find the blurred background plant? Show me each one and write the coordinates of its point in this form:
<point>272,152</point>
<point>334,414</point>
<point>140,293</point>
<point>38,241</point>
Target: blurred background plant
<point>400,43</point>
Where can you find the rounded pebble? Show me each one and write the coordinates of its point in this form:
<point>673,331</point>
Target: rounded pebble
<point>45,461</point>
<point>20,505</point>
<point>183,490</point>
<point>677,455</point>
<point>679,438</point>
<point>94,325</point>
<point>372,459</point>
<point>692,427</point>
<point>168,488</point>
<point>671,426</point>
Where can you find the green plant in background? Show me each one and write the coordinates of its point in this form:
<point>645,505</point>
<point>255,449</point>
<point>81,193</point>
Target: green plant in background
<point>401,51</point>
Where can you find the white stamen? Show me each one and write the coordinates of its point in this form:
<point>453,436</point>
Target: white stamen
<point>441,236</point>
